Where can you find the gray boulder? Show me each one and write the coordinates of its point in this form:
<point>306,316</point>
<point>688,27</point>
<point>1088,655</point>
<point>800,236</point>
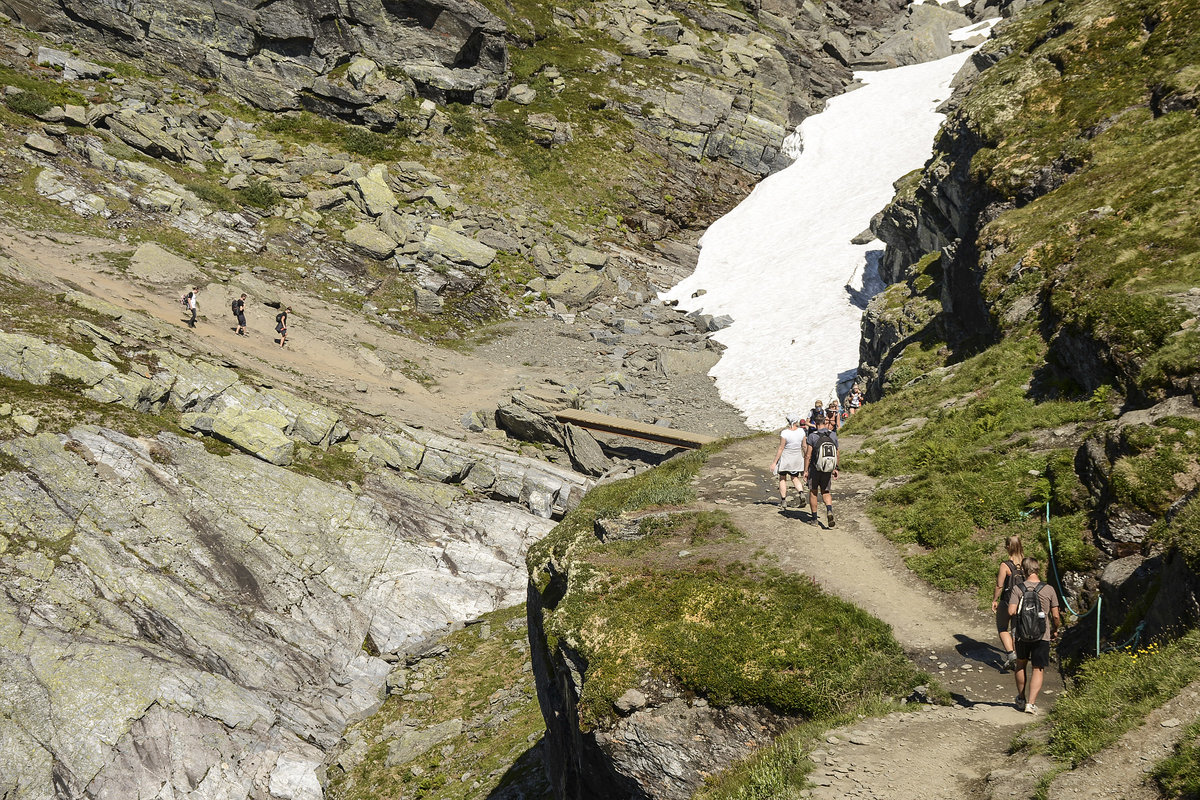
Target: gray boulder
<point>529,420</point>
<point>584,451</point>
<point>370,240</point>
<point>441,242</point>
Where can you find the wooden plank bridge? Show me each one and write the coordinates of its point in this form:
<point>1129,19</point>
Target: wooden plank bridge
<point>635,430</point>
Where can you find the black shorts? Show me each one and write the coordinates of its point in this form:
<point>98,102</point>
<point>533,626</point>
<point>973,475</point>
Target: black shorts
<point>783,474</point>
<point>241,318</point>
<point>820,481</point>
<point>1038,653</point>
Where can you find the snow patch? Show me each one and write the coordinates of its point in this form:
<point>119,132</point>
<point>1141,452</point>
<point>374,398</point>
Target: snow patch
<point>781,264</point>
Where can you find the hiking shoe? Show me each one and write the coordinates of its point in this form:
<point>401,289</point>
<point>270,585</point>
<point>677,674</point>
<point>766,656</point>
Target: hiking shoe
<point>1031,709</point>
<point>830,523</point>
<point>812,520</point>
<point>1019,702</point>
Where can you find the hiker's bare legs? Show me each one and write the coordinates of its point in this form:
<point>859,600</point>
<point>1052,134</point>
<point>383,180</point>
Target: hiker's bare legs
<point>1006,641</point>
<point>782,488</point>
<point>1035,685</point>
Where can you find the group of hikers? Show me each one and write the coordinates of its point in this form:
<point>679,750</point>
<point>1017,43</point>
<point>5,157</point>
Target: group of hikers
<point>191,303</point>
<point>808,454</point>
<point>1026,609</point>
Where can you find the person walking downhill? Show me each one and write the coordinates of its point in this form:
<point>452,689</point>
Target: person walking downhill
<point>239,313</point>
<point>816,414</point>
<point>1010,575</point>
<point>789,460</point>
<point>1032,602</point>
<point>821,460</point>
<point>854,400</point>
<point>281,325</point>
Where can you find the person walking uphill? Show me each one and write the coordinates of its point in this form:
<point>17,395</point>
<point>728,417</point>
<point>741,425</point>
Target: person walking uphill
<point>1034,607</point>
<point>789,460</point>
<point>820,461</point>
<point>1009,575</point>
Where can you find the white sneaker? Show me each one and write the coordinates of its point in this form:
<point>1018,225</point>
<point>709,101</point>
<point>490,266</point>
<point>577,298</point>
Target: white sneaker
<point>1030,708</point>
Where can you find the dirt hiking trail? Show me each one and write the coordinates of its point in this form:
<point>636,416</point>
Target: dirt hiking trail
<point>931,753</point>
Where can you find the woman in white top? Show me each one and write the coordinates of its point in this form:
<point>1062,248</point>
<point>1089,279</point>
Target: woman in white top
<point>789,459</point>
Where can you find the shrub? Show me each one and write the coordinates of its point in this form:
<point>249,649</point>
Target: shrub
<point>29,103</point>
<point>259,194</point>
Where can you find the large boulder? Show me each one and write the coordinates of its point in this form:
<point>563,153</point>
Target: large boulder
<point>371,241</point>
<point>446,244</point>
<point>529,420</point>
<point>585,452</point>
<point>258,432</point>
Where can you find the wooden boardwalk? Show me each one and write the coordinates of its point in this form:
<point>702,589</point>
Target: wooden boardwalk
<point>635,430</point>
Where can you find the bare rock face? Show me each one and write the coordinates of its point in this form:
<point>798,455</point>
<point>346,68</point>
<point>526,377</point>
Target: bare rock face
<point>272,54</point>
<point>180,623</point>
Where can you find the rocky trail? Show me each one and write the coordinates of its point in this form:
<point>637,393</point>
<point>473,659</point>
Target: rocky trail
<point>938,752</point>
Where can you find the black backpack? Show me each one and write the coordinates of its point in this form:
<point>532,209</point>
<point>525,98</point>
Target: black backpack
<point>184,300</point>
<point>1015,575</point>
<point>1030,621</point>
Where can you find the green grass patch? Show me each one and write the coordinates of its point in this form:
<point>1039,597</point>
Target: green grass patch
<point>1113,693</point>
<point>1178,775</point>
<point>975,469</point>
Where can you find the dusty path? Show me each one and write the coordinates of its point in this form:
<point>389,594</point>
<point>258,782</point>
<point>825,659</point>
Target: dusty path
<point>929,754</point>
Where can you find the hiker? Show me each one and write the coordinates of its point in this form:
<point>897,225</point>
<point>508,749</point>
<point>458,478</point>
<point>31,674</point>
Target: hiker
<point>239,313</point>
<point>820,460</point>
<point>789,460</point>
<point>854,400</point>
<point>281,325</point>
<point>835,415</point>
<point>1030,603</point>
<point>190,305</point>
<point>1010,575</point>
<point>816,414</point>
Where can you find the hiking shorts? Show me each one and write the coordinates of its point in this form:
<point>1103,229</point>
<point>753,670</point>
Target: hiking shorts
<point>241,319</point>
<point>1037,653</point>
<point>1003,620</point>
<point>820,482</point>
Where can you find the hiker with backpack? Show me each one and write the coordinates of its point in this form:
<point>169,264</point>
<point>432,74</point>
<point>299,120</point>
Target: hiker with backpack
<point>1010,575</point>
<point>1033,605</point>
<point>190,305</point>
<point>789,460</point>
<point>281,325</point>
<point>239,313</point>
<point>821,460</point>
<point>816,414</point>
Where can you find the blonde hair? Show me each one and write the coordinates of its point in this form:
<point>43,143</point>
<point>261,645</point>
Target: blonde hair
<point>1016,550</point>
<point>818,403</point>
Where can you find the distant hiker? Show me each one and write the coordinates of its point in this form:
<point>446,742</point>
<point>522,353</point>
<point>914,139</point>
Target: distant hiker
<point>789,460</point>
<point>1031,603</point>
<point>854,400</point>
<point>281,320</point>
<point>821,459</point>
<point>239,313</point>
<point>1010,575</point>
<point>190,305</point>
<point>835,415</point>
<point>816,414</point>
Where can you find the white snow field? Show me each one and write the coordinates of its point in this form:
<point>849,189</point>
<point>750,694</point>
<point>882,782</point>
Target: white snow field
<point>781,264</point>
